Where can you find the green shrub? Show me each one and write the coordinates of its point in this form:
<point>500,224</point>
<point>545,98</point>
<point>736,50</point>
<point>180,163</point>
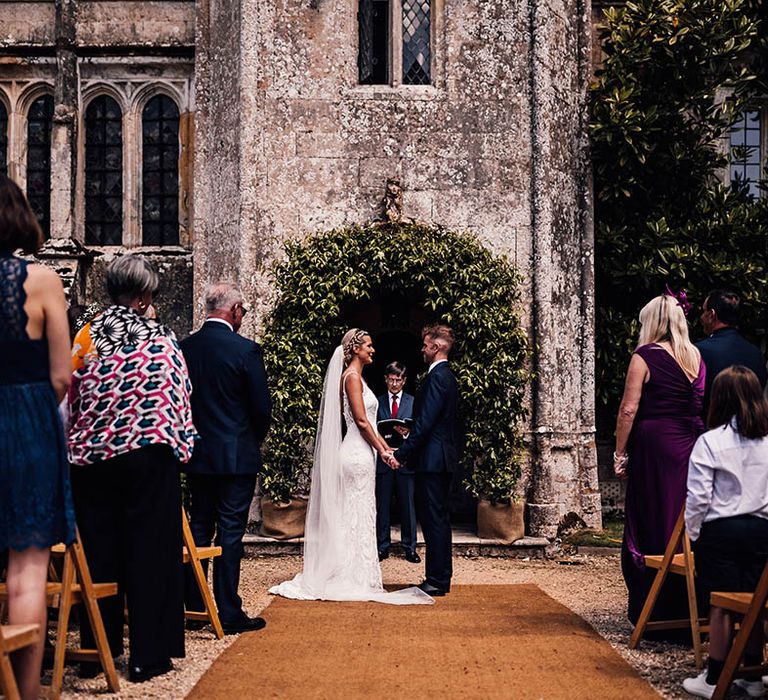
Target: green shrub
<point>661,213</point>
<point>456,280</point>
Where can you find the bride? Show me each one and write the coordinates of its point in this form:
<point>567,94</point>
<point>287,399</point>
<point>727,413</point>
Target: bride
<point>340,557</point>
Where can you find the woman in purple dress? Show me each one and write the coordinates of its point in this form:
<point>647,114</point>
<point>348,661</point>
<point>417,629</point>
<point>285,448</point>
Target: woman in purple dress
<point>658,424</point>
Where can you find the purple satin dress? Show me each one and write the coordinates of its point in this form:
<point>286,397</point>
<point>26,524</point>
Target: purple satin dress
<point>667,424</point>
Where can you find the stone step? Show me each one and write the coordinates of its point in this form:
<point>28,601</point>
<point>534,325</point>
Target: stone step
<point>466,543</point>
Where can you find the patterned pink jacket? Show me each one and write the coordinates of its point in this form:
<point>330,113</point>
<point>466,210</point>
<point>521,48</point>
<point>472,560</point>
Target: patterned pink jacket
<point>130,388</point>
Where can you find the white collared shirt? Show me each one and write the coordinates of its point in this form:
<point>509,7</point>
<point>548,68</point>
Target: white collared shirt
<point>434,364</point>
<point>727,476</point>
<point>221,320</point>
<point>399,396</point>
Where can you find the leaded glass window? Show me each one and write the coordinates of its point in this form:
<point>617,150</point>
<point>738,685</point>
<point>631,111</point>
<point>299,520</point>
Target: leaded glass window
<point>160,172</point>
<point>103,172</point>
<point>373,30</point>
<point>39,122</point>
<point>745,153</point>
<point>3,139</point>
<point>416,42</point>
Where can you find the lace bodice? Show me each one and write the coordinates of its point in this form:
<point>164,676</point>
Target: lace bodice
<point>371,409</point>
<point>13,319</point>
<point>24,360</point>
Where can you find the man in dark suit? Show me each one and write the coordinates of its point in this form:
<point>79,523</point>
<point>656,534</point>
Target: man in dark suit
<point>725,346</point>
<point>231,409</point>
<point>431,449</point>
<point>395,403</point>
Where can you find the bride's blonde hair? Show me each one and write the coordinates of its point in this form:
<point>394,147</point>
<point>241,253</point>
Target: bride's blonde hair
<point>662,318</point>
<point>351,341</point>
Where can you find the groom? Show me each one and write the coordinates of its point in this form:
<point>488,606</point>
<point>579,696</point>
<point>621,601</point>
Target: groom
<point>432,450</point>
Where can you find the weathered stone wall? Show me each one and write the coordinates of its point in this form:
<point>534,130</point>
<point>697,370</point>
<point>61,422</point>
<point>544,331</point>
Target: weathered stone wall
<point>288,144</point>
<point>74,51</point>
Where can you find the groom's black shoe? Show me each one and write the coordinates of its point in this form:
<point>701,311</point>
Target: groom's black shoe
<point>383,554</point>
<point>429,589</point>
<point>248,624</point>
<point>412,557</point>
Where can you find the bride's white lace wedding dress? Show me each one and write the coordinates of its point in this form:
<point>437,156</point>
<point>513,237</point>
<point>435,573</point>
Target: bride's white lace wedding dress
<point>340,556</point>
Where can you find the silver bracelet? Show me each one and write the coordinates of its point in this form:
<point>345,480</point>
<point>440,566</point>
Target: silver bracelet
<point>620,458</point>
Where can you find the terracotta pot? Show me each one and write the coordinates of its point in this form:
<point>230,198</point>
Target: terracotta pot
<point>283,521</point>
<point>500,521</point>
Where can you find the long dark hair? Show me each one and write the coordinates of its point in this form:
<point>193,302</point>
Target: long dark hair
<point>736,393</point>
<point>18,226</point>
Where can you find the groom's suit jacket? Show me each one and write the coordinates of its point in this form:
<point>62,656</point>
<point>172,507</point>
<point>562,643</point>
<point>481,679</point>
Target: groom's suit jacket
<point>433,445</point>
<point>404,410</point>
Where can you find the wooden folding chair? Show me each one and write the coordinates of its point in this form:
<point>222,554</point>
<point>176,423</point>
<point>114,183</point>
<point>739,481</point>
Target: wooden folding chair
<point>683,565</point>
<point>753,607</point>
<point>192,554</point>
<point>13,638</point>
<point>76,586</point>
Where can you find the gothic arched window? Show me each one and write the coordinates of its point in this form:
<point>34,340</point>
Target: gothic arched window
<point>103,172</point>
<point>3,139</point>
<point>160,172</point>
<point>39,122</point>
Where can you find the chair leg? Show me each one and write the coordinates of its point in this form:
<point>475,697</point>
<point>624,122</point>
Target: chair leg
<point>693,606</point>
<point>753,616</point>
<point>658,581</point>
<point>94,615</point>
<point>200,579</point>
<point>65,606</point>
<point>7,679</point>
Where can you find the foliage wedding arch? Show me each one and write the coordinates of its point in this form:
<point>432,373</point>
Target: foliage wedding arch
<point>457,281</point>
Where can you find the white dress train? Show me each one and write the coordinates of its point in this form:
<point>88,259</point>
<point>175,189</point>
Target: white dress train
<point>340,554</point>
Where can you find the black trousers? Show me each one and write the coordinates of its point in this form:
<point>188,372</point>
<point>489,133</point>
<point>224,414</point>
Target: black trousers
<point>404,483</point>
<point>128,510</point>
<point>220,504</point>
<point>432,511</point>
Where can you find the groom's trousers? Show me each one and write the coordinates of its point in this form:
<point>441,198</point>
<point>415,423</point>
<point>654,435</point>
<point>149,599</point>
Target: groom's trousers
<point>432,511</point>
<point>220,504</point>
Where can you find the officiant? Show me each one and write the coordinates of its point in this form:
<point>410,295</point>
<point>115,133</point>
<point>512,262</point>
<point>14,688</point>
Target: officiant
<point>395,404</point>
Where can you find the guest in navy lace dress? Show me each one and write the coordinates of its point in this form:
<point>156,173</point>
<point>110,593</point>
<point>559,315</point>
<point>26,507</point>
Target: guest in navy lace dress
<point>35,500</point>
<point>658,424</point>
<point>131,427</point>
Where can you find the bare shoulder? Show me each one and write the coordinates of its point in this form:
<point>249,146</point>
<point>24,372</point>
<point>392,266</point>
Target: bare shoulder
<point>43,278</point>
<point>351,379</point>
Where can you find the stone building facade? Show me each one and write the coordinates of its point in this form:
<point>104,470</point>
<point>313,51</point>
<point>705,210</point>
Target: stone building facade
<point>292,116</point>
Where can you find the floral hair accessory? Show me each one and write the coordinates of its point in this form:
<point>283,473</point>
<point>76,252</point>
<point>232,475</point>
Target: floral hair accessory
<point>681,297</point>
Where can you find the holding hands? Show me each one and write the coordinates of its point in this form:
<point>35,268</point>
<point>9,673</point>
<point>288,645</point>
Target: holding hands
<point>388,457</point>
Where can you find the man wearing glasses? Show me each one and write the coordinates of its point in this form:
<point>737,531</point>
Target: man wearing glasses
<point>395,403</point>
<point>231,410</point>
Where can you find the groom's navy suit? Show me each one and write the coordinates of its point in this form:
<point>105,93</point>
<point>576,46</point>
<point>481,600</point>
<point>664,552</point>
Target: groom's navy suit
<point>431,450</point>
<point>231,410</point>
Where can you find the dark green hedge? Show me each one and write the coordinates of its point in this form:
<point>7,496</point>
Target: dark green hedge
<point>659,119</point>
<point>457,280</point>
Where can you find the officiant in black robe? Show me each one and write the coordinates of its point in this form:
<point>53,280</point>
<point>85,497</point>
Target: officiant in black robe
<point>395,403</point>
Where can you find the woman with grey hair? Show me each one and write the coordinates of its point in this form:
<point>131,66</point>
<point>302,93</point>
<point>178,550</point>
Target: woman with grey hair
<point>130,428</point>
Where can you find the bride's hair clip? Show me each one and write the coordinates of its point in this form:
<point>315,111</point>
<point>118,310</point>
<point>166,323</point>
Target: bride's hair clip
<point>681,297</point>
<point>351,341</point>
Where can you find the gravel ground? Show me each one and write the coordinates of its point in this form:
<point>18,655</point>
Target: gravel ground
<point>591,586</point>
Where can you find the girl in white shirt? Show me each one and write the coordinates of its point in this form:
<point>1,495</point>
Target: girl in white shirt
<point>726,513</point>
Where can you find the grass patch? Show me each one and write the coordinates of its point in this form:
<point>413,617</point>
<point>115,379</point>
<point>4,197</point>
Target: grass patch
<point>609,536</point>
